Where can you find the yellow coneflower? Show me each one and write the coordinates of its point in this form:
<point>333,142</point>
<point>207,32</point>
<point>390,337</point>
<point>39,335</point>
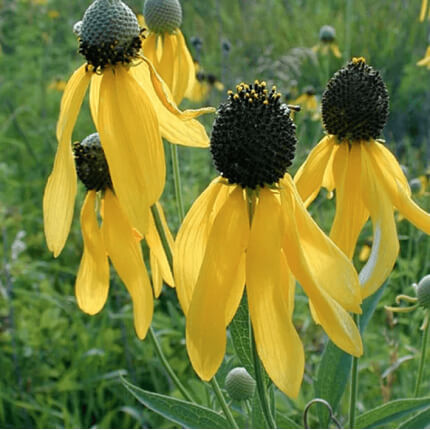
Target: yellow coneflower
<point>308,102</point>
<point>115,238</point>
<point>251,227</point>
<point>203,84</point>
<point>327,41</point>
<point>165,46</point>
<point>129,108</point>
<point>367,177</point>
<point>423,11</point>
<point>426,60</point>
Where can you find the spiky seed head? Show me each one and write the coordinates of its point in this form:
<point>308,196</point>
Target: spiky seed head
<point>423,292</point>
<point>240,385</point>
<point>77,28</point>
<point>162,16</point>
<point>327,34</point>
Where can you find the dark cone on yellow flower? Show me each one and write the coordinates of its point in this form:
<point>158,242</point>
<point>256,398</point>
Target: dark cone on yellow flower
<point>162,16</point>
<point>253,138</point>
<point>423,292</point>
<point>91,165</point>
<point>355,102</point>
<point>109,34</point>
<point>327,34</point>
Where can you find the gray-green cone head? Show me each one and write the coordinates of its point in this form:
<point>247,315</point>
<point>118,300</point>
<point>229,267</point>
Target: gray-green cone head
<point>109,34</point>
<point>423,292</point>
<point>240,385</point>
<point>91,164</point>
<point>355,102</point>
<point>162,16</point>
<point>253,137</point>
<point>327,34</point>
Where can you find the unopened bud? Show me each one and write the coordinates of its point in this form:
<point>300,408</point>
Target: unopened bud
<point>423,292</point>
<point>239,384</point>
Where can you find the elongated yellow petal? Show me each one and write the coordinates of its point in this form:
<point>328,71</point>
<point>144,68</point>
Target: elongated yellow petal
<point>395,185</point>
<point>385,246</point>
<point>177,127</point>
<point>309,177</point>
<point>206,320</point>
<point>126,255</point>
<point>268,285</point>
<point>96,81</point>
<point>185,73</point>
<point>130,137</point>
<point>60,190</point>
<point>423,10</point>
<point>191,241</point>
<point>157,279</point>
<point>92,282</point>
<point>336,322</point>
<point>149,48</point>
<point>167,65</point>
<point>156,246</point>
<point>351,213</point>
<point>332,270</point>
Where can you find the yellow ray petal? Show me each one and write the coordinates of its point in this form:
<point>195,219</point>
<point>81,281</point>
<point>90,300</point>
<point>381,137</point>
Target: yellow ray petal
<point>332,270</point>
<point>131,140</point>
<point>309,177</point>
<point>157,279</point>
<point>191,241</point>
<point>60,190</point>
<point>96,81</point>
<point>167,65</point>
<point>395,185</point>
<point>351,213</point>
<point>156,246</point>
<point>126,255</point>
<point>177,127</point>
<point>206,319</point>
<point>423,10</point>
<point>385,246</point>
<point>92,282</point>
<point>149,48</point>
<point>269,282</point>
<point>185,76</point>
<point>336,322</point>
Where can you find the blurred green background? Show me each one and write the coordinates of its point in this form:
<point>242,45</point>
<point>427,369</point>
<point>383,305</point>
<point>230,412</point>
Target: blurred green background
<point>60,367</point>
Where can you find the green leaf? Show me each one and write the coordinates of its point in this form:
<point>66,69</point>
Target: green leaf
<point>335,366</point>
<point>241,335</point>
<point>285,422</point>
<point>185,414</point>
<point>419,421</point>
<point>391,411</point>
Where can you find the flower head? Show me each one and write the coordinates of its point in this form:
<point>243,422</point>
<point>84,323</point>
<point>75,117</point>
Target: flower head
<point>131,110</point>
<point>115,238</point>
<point>327,37</point>
<point>250,227</point>
<point>367,177</point>
<point>166,48</point>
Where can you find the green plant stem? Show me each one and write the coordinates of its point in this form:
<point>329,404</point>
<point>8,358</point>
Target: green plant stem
<point>223,403</point>
<point>177,182</point>
<point>354,383</point>
<point>166,365</point>
<point>348,29</point>
<point>261,389</point>
<point>422,359</point>
<point>162,234</point>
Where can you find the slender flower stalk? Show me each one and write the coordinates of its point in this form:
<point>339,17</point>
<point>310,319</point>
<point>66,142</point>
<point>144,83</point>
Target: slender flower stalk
<point>424,343</point>
<point>354,385</point>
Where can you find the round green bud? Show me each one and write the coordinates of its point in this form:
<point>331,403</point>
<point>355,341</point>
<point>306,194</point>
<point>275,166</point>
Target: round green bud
<point>415,185</point>
<point>239,384</point>
<point>162,16</point>
<point>327,34</point>
<point>423,292</point>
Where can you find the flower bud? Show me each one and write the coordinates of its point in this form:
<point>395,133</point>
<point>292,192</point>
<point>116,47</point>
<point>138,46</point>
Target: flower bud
<point>423,292</point>
<point>239,384</point>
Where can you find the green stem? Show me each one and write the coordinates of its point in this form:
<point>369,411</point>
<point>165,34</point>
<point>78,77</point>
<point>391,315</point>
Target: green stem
<point>348,29</point>
<point>162,234</point>
<point>223,403</point>
<point>166,365</point>
<point>177,182</point>
<point>261,389</point>
<point>422,359</point>
<point>354,383</point>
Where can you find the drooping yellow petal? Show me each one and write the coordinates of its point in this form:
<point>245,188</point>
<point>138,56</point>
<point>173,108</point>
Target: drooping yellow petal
<point>125,253</point>
<point>206,319</point>
<point>332,270</point>
<point>60,190</point>
<point>177,127</point>
<point>396,186</point>
<point>309,177</point>
<point>335,50</point>
<point>426,60</point>
<point>351,213</point>
<point>268,286</point>
<point>167,65</point>
<point>157,279</point>
<point>191,241</point>
<point>92,282</point>
<point>149,48</point>
<point>336,322</point>
<point>130,137</point>
<point>423,10</point>
<point>385,245</point>
<point>96,81</point>
<point>156,246</point>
